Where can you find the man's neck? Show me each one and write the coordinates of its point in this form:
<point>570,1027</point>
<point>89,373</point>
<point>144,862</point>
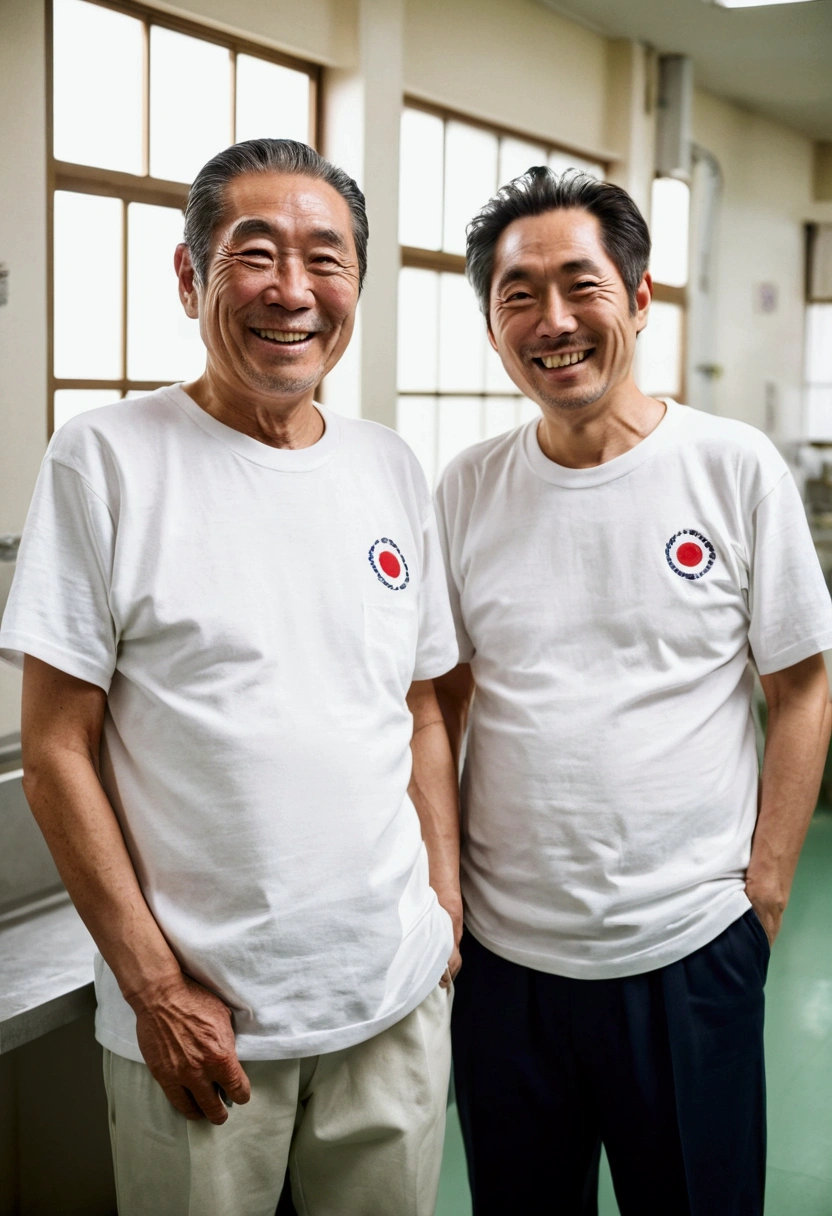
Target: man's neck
<point>280,422</point>
<point>593,434</point>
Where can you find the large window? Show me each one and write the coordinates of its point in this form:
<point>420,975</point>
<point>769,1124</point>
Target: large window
<point>660,350</point>
<point>139,102</point>
<point>453,390</point>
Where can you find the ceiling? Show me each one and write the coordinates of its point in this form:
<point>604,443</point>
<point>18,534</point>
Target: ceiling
<point>775,60</point>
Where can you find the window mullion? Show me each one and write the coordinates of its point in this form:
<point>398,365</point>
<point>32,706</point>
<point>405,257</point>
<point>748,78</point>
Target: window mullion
<point>146,98</point>
<point>124,287</point>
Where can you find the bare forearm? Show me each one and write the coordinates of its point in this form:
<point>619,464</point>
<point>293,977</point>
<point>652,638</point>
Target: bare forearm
<point>83,834</point>
<point>433,790</point>
<point>797,739</point>
<point>454,692</point>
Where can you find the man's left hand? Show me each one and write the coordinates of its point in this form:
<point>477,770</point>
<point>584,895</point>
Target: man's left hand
<point>453,906</point>
<point>769,907</point>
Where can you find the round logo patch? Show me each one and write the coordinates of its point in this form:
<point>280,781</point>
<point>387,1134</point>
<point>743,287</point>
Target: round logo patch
<point>689,554</point>
<point>387,560</point>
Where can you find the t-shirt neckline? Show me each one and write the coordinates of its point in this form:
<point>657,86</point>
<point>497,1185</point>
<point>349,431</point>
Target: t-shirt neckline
<point>610,470</point>
<point>287,460</point>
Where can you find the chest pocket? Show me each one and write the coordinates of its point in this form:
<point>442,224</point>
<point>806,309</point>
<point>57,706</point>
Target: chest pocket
<point>391,634</point>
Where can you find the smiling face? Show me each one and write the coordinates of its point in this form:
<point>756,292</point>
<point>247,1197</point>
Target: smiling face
<point>278,308</point>
<point>559,315</point>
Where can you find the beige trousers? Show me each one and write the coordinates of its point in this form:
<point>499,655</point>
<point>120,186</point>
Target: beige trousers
<point>361,1129</point>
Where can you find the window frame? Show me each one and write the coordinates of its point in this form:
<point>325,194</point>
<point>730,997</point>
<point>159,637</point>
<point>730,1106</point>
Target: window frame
<point>413,257</point>
<point>139,188</point>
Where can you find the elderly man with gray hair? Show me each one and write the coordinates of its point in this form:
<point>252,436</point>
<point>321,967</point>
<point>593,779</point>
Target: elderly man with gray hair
<point>230,605</point>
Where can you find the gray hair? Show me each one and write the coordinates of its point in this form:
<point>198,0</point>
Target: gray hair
<point>624,233</point>
<point>205,207</point>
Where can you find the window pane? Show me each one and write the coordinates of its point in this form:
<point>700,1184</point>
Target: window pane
<point>88,236</point>
<point>460,425</point>
<point>97,75</point>
<point>418,330</point>
<point>162,343</point>
<point>461,337</point>
<point>470,179</point>
<point>516,156</point>
<point>659,351</point>
<point>669,210</point>
<point>500,415</point>
<point>72,401</point>
<point>416,423</point>
<point>496,378</point>
<point>818,403</point>
<point>190,103</point>
<point>561,161</point>
<point>819,344</point>
<point>272,101</point>
<point>527,410</point>
<point>420,179</point>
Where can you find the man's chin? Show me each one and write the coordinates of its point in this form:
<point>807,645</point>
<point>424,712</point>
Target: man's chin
<point>573,399</point>
<point>281,382</point>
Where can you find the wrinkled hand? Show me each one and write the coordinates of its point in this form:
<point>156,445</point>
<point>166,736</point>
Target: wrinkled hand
<point>769,903</point>
<point>187,1041</point>
<point>452,903</point>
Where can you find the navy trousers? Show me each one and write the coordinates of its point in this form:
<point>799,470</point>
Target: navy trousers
<point>665,1068</point>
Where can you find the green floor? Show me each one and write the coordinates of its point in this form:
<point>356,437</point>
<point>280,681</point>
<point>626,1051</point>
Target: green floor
<point>799,1052</point>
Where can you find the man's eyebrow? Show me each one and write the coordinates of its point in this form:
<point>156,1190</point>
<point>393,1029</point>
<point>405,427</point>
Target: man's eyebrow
<point>252,227</point>
<point>518,273</point>
<point>513,274</point>
<point>330,236</point>
<point>256,226</point>
<point>582,265</point>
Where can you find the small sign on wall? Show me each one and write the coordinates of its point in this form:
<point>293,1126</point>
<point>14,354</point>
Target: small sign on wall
<point>765,297</point>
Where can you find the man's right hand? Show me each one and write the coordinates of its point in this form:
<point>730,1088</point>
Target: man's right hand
<point>186,1038</point>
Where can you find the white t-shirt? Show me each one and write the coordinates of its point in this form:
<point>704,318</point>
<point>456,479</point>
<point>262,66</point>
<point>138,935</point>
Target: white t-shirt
<point>256,616</point>
<point>610,785</point>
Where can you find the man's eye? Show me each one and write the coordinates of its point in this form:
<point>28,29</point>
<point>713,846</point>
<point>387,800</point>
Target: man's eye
<point>583,283</point>
<point>325,259</point>
<point>255,253</point>
<point>518,295</point>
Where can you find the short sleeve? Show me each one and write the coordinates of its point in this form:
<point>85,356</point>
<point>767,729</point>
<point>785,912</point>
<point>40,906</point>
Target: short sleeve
<point>58,608</point>
<point>436,652</point>
<point>450,546</point>
<point>791,611</point>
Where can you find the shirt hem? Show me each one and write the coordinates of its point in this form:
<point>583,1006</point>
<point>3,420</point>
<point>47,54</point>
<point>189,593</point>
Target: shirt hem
<point>432,670</point>
<point>662,955</point>
<point>14,645</point>
<point>794,654</point>
<point>264,1047</point>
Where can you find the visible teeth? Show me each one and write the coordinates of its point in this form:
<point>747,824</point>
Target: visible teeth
<point>279,335</point>
<point>576,356</point>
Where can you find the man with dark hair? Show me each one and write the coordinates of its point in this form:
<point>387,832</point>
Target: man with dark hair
<point>612,566</point>
<point>231,605</point>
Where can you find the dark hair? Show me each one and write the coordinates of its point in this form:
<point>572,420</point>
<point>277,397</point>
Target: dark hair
<point>623,231</point>
<point>206,198</point>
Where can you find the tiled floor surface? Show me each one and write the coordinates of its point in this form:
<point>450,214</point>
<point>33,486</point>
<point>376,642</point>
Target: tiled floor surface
<point>799,1051</point>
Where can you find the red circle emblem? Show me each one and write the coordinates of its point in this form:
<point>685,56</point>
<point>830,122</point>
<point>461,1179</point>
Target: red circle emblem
<point>689,554</point>
<point>390,564</point>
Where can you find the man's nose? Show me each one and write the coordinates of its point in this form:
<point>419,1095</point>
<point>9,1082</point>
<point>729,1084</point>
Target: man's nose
<point>557,316</point>
<point>291,285</point>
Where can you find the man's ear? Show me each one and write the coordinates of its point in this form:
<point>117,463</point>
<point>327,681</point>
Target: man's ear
<point>490,335</point>
<point>644,296</point>
<point>187,280</point>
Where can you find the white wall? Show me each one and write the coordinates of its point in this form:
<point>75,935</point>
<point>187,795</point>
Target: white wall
<point>767,198</point>
<point>514,63</point>
<point>23,249</point>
